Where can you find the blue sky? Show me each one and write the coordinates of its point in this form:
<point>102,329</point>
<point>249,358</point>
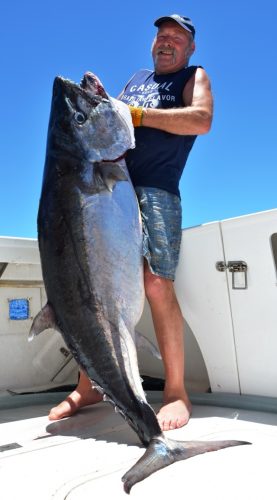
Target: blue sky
<point>231,171</point>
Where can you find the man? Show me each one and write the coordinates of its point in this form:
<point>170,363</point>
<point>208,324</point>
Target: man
<point>169,107</point>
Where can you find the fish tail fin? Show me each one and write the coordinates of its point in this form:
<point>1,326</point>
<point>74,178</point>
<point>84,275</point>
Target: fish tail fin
<point>162,452</point>
<point>43,320</point>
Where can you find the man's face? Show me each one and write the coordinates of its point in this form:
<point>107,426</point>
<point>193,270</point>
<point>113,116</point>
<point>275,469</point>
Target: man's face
<point>172,48</point>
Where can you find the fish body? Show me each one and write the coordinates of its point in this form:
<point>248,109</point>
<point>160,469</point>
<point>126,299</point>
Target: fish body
<point>90,242</point>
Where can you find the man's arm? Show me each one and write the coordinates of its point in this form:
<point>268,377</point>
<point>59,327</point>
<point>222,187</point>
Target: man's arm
<point>195,118</point>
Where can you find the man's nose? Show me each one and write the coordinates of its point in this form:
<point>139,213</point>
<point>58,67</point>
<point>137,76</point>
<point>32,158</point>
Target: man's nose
<point>167,40</point>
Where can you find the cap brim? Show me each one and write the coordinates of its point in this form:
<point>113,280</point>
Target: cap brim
<point>161,20</point>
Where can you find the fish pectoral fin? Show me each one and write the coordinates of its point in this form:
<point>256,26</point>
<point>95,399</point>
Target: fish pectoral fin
<point>44,319</point>
<point>143,342</point>
<point>106,174</point>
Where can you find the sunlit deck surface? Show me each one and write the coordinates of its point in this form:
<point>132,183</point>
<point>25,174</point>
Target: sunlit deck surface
<point>85,456</point>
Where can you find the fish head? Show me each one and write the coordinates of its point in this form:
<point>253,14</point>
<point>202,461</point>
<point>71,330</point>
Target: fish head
<point>87,123</point>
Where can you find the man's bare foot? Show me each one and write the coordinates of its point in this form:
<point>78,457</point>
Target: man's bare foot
<point>83,395</point>
<point>174,413</point>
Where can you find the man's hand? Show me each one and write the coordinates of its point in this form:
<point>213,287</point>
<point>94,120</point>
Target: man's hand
<point>137,115</point>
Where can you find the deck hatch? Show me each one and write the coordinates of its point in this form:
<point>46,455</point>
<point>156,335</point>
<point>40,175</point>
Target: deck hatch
<point>19,309</point>
<point>9,446</point>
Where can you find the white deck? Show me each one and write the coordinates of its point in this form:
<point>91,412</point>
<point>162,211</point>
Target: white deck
<point>231,347</point>
<point>83,457</point>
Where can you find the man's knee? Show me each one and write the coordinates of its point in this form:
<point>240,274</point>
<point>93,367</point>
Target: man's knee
<point>156,287</point>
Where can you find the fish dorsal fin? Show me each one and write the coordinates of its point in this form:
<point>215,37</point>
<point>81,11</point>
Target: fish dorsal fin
<point>44,319</point>
<point>106,174</point>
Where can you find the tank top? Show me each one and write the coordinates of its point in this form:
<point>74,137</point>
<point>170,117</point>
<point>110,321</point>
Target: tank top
<point>159,157</point>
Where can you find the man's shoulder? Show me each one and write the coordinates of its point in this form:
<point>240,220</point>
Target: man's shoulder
<point>192,69</point>
<point>140,75</point>
<point>143,72</point>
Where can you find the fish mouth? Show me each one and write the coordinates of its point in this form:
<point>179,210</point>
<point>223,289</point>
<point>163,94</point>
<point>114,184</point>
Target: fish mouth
<point>92,84</point>
<point>89,88</point>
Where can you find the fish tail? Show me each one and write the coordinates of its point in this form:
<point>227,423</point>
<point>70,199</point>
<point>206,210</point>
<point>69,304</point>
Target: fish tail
<point>162,452</point>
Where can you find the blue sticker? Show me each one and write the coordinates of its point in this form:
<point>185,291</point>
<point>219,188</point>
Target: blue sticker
<point>19,309</point>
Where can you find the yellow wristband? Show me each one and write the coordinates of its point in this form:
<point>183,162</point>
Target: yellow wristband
<point>137,115</point>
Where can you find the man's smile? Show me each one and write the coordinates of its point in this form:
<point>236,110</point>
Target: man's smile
<point>164,51</point>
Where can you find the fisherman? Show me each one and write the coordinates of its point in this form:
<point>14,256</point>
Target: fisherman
<point>170,106</point>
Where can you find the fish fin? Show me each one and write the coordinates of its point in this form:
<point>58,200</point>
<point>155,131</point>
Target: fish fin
<point>162,452</point>
<point>143,342</point>
<point>44,319</point>
<point>106,174</point>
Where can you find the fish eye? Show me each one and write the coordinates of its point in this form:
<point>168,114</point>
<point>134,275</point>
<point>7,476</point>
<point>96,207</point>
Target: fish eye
<point>80,117</point>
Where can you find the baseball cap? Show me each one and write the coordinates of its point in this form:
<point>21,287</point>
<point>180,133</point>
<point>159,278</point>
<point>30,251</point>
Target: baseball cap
<point>183,21</point>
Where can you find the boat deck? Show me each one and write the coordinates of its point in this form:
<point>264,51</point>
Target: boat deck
<point>85,456</point>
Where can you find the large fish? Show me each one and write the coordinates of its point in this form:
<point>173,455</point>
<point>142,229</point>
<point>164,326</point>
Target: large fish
<point>90,242</point>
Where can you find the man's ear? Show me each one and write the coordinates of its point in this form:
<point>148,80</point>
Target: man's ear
<point>191,49</point>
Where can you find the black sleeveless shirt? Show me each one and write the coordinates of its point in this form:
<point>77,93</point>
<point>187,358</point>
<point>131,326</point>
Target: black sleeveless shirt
<point>159,157</point>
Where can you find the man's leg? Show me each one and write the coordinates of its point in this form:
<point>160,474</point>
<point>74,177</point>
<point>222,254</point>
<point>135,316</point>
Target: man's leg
<point>169,328</point>
<point>83,395</point>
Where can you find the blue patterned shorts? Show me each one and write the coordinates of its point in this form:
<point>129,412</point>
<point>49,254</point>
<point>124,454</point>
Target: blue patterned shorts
<point>161,220</point>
